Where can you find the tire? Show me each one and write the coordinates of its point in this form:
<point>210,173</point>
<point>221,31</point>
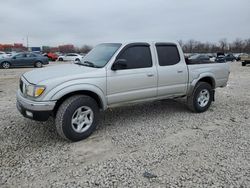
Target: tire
<point>201,98</point>
<point>60,59</point>
<point>77,60</point>
<point>243,63</point>
<point>67,118</point>
<point>38,64</point>
<point>5,65</point>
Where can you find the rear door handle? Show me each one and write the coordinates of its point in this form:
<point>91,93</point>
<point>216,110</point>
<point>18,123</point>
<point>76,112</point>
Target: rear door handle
<point>180,71</point>
<point>150,74</point>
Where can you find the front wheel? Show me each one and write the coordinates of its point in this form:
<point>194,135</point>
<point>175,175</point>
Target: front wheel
<point>6,65</point>
<point>77,117</point>
<point>201,98</point>
<point>243,63</point>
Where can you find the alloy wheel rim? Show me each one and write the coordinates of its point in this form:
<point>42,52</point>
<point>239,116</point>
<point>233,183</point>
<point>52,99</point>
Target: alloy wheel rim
<point>203,98</point>
<point>6,65</point>
<point>39,64</point>
<point>82,119</point>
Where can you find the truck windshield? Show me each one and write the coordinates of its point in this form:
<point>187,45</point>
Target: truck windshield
<point>101,54</point>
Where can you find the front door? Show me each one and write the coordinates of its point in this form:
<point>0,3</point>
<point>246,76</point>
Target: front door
<point>136,80</point>
<point>19,60</point>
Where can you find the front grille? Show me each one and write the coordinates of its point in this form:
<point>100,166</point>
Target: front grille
<point>21,85</point>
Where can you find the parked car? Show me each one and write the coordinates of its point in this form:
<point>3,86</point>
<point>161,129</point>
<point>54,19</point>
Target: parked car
<point>245,59</point>
<point>70,57</point>
<point>3,55</point>
<point>24,59</point>
<point>230,57</point>
<point>51,56</point>
<point>199,58</point>
<point>114,74</point>
<point>9,54</point>
<point>211,56</point>
<point>220,59</point>
<point>238,58</point>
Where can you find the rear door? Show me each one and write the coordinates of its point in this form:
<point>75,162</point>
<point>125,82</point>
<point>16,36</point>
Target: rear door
<point>172,70</point>
<point>67,57</point>
<point>74,57</point>
<point>30,59</point>
<point>135,82</point>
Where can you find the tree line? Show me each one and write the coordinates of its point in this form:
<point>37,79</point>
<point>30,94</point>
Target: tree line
<point>237,46</point>
<point>190,46</point>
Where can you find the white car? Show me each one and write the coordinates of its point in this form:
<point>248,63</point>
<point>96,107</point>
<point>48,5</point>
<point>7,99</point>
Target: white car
<point>3,55</point>
<point>70,57</point>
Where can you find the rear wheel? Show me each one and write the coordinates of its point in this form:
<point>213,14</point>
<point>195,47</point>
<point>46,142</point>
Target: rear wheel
<point>243,63</point>
<point>201,98</point>
<point>38,64</point>
<point>77,60</point>
<point>77,117</point>
<point>6,65</point>
<point>60,59</point>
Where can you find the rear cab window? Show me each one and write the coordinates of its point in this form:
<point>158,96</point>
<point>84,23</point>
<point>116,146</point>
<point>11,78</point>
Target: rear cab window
<point>168,54</point>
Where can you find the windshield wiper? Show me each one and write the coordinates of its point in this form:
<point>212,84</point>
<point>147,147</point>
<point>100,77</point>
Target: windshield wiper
<point>91,64</point>
<point>88,63</point>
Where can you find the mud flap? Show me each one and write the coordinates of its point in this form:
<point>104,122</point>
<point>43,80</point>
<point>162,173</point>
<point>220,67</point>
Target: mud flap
<point>213,95</point>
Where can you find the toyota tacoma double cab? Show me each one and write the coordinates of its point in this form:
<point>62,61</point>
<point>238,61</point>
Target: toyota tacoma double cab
<point>114,74</point>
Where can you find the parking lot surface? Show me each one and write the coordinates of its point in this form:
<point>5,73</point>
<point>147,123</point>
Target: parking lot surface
<point>158,144</point>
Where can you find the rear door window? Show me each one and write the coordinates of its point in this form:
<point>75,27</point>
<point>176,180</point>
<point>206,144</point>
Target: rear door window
<point>168,54</point>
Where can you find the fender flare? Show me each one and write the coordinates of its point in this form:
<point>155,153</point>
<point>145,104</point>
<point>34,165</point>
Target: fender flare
<point>59,92</point>
<point>196,80</point>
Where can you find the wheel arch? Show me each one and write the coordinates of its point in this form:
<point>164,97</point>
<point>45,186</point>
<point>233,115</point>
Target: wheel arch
<point>5,62</point>
<point>61,93</point>
<point>208,78</point>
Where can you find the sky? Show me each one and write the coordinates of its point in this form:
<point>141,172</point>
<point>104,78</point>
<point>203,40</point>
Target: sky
<point>79,22</point>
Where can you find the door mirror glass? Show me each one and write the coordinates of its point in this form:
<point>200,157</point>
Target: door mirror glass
<point>119,64</point>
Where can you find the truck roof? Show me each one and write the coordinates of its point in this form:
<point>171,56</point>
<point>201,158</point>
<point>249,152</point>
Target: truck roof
<point>142,41</point>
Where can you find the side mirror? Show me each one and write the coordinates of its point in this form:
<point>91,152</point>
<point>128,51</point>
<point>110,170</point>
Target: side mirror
<point>119,64</point>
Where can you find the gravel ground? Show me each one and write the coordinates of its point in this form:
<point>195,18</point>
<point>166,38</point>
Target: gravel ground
<point>158,144</point>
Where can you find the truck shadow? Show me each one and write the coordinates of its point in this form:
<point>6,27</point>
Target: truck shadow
<point>112,118</point>
<point>121,116</point>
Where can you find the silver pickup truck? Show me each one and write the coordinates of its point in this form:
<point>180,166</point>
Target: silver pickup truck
<point>114,74</point>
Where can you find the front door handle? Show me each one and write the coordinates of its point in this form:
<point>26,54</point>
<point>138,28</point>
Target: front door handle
<point>180,71</point>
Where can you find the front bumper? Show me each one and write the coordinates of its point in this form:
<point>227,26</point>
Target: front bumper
<point>39,111</point>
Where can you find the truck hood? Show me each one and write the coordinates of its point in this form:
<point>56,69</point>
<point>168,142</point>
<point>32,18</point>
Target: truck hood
<point>60,71</point>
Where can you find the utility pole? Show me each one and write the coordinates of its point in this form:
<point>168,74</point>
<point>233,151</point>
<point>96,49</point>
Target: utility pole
<point>27,40</point>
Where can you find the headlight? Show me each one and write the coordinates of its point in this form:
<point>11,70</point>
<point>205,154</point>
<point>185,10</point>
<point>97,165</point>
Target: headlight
<point>34,91</point>
<point>30,90</point>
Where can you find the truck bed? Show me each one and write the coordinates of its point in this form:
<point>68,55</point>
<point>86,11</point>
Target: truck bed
<point>219,71</point>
